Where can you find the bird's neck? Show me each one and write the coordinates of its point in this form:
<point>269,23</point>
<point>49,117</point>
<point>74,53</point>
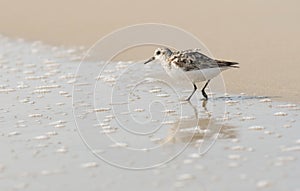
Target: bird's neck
<point>166,65</point>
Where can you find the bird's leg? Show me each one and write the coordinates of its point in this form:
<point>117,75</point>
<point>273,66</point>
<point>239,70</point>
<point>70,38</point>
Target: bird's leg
<point>203,90</point>
<point>195,88</point>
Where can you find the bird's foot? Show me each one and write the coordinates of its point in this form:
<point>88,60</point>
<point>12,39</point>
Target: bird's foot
<point>187,100</point>
<point>204,95</point>
<point>184,99</point>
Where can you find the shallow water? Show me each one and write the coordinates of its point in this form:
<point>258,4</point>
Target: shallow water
<point>230,142</point>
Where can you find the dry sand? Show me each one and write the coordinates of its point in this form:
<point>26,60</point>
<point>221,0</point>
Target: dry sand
<point>262,35</point>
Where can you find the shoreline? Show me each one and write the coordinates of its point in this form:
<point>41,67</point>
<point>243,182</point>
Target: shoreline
<point>235,80</point>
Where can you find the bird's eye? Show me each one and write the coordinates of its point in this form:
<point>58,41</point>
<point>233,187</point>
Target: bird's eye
<point>158,53</point>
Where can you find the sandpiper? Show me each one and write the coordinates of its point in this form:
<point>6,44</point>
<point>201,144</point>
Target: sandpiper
<point>191,65</point>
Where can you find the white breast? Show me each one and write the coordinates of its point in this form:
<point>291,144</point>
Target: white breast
<point>194,76</point>
<point>203,75</point>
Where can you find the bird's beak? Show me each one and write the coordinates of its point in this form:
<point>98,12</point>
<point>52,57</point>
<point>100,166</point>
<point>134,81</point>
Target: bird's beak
<point>150,60</point>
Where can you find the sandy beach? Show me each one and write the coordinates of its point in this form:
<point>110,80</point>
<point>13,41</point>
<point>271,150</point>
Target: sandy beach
<point>121,125</point>
<point>261,35</point>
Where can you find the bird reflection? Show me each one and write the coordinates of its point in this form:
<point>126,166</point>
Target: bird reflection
<point>199,128</point>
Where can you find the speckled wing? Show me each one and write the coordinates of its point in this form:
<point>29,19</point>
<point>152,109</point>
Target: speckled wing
<point>190,60</point>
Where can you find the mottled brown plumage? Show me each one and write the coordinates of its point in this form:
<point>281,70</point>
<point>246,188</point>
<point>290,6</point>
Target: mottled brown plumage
<point>190,60</point>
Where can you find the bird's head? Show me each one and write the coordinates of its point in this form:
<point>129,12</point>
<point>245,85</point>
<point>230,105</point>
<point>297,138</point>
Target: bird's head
<point>160,54</point>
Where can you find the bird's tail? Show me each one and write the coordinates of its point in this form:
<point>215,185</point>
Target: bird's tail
<point>223,63</point>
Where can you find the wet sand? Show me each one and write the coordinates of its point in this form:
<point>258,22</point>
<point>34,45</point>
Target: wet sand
<point>233,142</point>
